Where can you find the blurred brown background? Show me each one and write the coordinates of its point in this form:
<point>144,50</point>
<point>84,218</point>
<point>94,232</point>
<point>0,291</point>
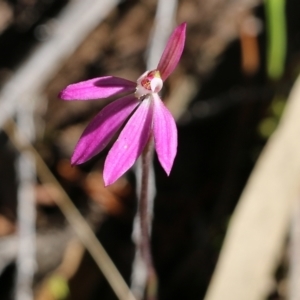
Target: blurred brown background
<point>225,118</point>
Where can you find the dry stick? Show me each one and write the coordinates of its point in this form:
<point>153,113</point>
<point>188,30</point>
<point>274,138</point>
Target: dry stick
<point>259,225</point>
<point>78,223</point>
<point>26,209</point>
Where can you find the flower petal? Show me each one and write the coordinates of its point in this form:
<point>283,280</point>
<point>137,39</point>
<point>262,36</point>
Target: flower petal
<point>101,87</point>
<point>165,134</point>
<point>130,144</point>
<point>102,128</point>
<point>172,52</point>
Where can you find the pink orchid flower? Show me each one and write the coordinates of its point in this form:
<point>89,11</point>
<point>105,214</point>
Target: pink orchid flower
<point>143,112</point>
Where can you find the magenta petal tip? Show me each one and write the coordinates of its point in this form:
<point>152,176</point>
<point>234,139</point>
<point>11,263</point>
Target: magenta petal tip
<point>165,134</point>
<point>172,52</point>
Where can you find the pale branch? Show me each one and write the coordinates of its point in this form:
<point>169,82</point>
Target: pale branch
<point>26,209</point>
<point>259,225</point>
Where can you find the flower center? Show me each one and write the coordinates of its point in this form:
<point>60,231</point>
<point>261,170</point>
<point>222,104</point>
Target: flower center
<point>150,82</point>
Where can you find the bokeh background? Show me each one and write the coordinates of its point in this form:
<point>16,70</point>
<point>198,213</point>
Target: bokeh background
<point>228,93</point>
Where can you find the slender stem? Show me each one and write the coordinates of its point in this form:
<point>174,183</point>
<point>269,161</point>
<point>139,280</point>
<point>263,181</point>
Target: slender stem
<point>145,243</point>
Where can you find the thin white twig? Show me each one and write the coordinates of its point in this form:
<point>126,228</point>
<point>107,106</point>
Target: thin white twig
<point>26,212</point>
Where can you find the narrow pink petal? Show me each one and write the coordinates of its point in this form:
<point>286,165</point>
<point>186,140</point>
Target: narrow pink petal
<point>101,87</point>
<point>172,52</point>
<point>165,134</point>
<point>102,128</point>
<point>130,143</point>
